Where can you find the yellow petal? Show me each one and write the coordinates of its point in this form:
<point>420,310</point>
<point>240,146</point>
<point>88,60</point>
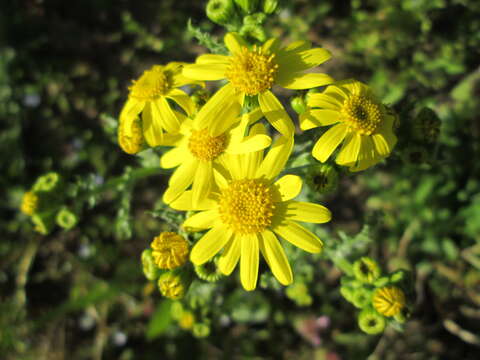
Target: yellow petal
<point>230,256</point>
<point>152,127</point>
<point>206,71</point>
<point>174,157</point>
<point>302,60</point>
<point>367,156</point>
<point>299,45</point>
<point>184,203</point>
<point>287,187</point>
<point>328,142</point>
<point>307,212</point>
<point>234,42</point>
<point>210,111</point>
<point>249,144</point>
<point>276,258</point>
<point>213,59</point>
<point>132,108</point>
<point>271,45</point>
<point>202,182</point>
<point>275,113</point>
<point>252,160</point>
<point>226,117</point>
<point>313,118</point>
<point>324,101</point>
<point>276,158</point>
<point>299,236</point>
<point>348,154</point>
<point>249,261</point>
<point>202,220</point>
<point>182,99</point>
<point>210,244</point>
<point>297,81</point>
<point>181,179</point>
<point>162,110</point>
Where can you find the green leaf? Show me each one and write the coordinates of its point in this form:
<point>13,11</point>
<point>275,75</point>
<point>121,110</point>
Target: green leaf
<point>160,320</point>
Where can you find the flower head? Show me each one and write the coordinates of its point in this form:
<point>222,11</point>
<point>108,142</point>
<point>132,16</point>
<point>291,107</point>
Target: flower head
<point>359,120</point>
<point>248,212</point>
<point>203,144</point>
<point>371,322</point>
<point>148,99</point>
<point>389,300</point>
<point>30,203</point>
<point>173,284</point>
<point>366,270</point>
<point>252,71</point>
<point>170,250</point>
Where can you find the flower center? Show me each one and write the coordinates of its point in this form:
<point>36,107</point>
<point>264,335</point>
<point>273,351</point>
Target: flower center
<point>152,84</point>
<point>246,206</point>
<point>170,250</point>
<point>252,72</point>
<point>362,114</point>
<point>205,147</point>
<point>29,203</point>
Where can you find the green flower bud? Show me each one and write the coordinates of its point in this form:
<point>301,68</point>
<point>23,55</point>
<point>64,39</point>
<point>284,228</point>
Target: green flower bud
<point>322,178</point>
<point>150,269</point>
<point>209,271</point>
<point>366,270</point>
<point>253,31</point>
<point>381,281</point>
<point>174,284</point>
<point>201,330</point>
<point>415,155</point>
<point>254,19</point>
<point>220,11</point>
<point>298,104</point>
<point>269,6</point>
<point>347,293</point>
<point>361,297</point>
<point>47,183</point>
<point>247,6</point>
<point>399,276</point>
<point>66,219</point>
<point>371,322</point>
<point>427,126</point>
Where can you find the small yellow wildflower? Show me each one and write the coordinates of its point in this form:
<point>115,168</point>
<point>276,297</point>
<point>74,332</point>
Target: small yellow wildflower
<point>249,211</point>
<point>170,250</point>
<point>362,123</point>
<point>30,203</point>
<point>203,145</point>
<point>252,71</point>
<point>148,99</point>
<point>389,300</point>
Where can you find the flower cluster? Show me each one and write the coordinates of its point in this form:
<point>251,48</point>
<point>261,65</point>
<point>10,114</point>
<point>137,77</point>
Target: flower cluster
<point>382,299</point>
<point>229,153</point>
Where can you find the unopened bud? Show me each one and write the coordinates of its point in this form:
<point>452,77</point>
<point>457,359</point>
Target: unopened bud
<point>220,11</point>
<point>66,219</point>
<point>298,104</point>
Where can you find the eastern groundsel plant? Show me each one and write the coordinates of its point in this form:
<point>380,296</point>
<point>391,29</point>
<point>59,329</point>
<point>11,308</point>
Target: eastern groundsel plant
<point>234,182</point>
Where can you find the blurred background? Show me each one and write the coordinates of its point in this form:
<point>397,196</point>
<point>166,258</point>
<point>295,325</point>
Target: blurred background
<point>65,68</point>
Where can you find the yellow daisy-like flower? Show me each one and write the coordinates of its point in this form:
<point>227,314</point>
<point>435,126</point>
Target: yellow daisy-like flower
<point>148,97</point>
<point>360,121</point>
<point>249,211</point>
<point>389,301</point>
<point>204,143</point>
<point>254,70</point>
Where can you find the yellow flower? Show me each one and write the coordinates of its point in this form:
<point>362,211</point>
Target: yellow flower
<point>389,301</point>
<point>170,250</point>
<point>30,203</point>
<point>362,123</point>
<point>148,97</point>
<point>254,70</point>
<point>204,143</point>
<point>248,212</point>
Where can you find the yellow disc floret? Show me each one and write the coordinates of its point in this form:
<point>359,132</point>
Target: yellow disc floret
<point>205,147</point>
<point>29,203</point>
<point>389,300</point>
<point>247,206</point>
<point>152,84</point>
<point>171,286</point>
<point>252,71</point>
<point>362,114</point>
<point>170,250</point>
<point>130,136</point>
